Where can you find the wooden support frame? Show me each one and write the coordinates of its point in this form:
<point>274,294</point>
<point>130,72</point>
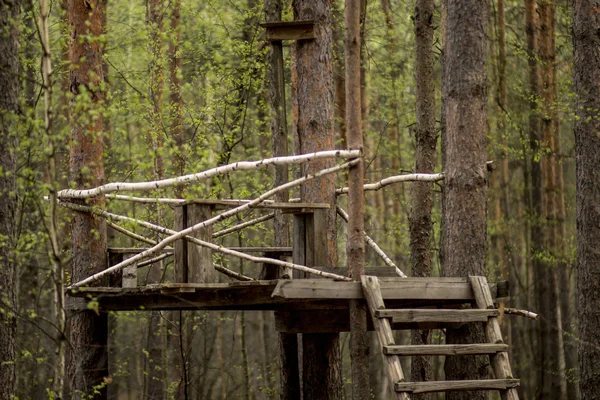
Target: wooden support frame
<point>289,30</point>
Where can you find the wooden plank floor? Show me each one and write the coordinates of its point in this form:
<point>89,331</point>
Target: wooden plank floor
<point>274,295</point>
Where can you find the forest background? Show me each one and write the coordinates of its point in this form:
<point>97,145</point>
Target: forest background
<point>199,68</point>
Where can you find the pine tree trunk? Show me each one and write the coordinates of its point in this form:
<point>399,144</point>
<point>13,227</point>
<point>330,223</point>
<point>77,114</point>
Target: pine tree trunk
<point>465,186</point>
<point>89,359</point>
<point>587,148</point>
<point>421,192</point>
<point>9,104</point>
<point>321,357</point>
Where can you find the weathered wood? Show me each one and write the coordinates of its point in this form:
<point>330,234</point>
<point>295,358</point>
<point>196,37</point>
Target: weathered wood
<point>200,264</point>
<point>445,349</point>
<point>289,30</point>
<point>266,250</point>
<point>130,275</point>
<point>180,246</point>
<point>446,386</point>
<point>500,362</point>
<point>462,316</point>
<point>135,250</point>
<point>372,293</point>
<point>391,288</point>
<point>288,207</point>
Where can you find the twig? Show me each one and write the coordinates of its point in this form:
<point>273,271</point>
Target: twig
<point>522,313</point>
<point>186,179</point>
<point>153,260</point>
<point>130,233</point>
<point>232,274</point>
<point>243,225</point>
<point>342,213</point>
<point>395,179</point>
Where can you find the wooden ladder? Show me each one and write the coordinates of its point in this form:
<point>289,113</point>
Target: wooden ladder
<point>486,312</point>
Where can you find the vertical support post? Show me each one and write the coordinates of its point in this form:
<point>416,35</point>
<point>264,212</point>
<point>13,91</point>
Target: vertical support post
<point>193,263</point>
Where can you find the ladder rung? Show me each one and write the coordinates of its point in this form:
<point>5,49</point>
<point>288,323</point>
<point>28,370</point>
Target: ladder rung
<point>420,315</point>
<point>446,386</point>
<point>445,349</point>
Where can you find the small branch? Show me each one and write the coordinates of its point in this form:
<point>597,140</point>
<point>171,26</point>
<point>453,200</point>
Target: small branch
<point>130,233</point>
<point>186,179</point>
<point>342,213</point>
<point>522,313</point>
<point>396,179</point>
<point>232,274</point>
<point>241,226</point>
<point>153,260</point>
<point>145,200</point>
<point>217,248</point>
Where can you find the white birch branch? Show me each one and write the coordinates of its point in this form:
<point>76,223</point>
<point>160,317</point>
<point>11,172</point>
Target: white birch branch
<point>342,213</point>
<point>522,313</point>
<point>186,179</point>
<point>243,225</point>
<point>212,246</point>
<point>232,274</point>
<point>131,234</point>
<point>145,200</point>
<point>396,179</point>
<point>154,260</point>
<point>180,235</point>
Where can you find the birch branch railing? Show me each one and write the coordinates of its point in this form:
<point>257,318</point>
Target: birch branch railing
<point>342,213</point>
<point>186,179</point>
<point>212,246</point>
<point>180,235</point>
<point>396,179</point>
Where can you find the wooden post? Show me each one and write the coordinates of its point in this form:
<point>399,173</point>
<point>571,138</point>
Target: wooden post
<point>193,263</point>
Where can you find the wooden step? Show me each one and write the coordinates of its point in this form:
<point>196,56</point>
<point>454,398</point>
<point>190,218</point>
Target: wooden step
<point>424,315</point>
<point>445,349</point>
<point>447,386</point>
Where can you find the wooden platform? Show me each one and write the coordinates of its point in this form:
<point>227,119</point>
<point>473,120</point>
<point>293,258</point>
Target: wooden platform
<point>276,294</point>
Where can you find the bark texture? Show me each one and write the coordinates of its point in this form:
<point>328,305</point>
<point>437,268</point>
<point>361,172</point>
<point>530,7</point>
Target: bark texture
<point>422,192</point>
<point>465,192</point>
<point>89,359</point>
<point>587,146</point>
<point>314,128</point>
<point>9,102</point>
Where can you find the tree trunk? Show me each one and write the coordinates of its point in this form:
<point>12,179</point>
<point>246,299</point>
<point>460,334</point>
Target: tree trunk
<point>465,187</point>
<point>89,330</point>
<point>422,192</point>
<point>315,131</point>
<point>359,346</point>
<point>587,147</point>
<point>9,104</point>
<point>551,351</point>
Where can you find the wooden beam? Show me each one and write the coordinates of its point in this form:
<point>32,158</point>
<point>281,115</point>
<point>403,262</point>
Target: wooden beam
<point>446,386</point>
<point>458,316</point>
<point>289,30</point>
<point>391,288</point>
<point>445,349</point>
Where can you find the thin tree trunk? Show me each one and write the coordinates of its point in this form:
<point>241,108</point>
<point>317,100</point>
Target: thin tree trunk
<point>551,350</point>
<point>422,192</point>
<point>535,192</point>
<point>359,346</point>
<point>465,186</point>
<point>89,359</point>
<point>9,104</point>
<point>587,149</point>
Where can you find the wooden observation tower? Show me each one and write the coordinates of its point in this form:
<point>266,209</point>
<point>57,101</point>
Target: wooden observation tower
<point>292,283</point>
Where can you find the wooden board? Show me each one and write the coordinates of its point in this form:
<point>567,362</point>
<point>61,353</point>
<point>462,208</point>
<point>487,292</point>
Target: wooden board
<point>459,316</point>
<point>445,386</point>
<point>289,30</point>
<point>445,349</point>
<point>391,288</point>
